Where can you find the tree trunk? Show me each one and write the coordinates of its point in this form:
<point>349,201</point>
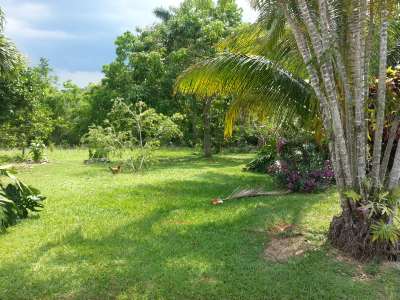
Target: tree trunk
<point>380,105</point>
<point>207,128</point>
<point>389,147</point>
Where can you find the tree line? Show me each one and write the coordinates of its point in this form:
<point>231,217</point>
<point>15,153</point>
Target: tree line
<point>35,106</point>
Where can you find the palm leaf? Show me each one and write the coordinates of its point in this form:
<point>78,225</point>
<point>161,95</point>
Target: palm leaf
<point>9,55</point>
<point>259,87</point>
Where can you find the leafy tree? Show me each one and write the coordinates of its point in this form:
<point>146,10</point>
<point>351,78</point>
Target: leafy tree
<point>322,55</point>
<point>149,61</point>
<point>70,111</point>
<point>26,118</point>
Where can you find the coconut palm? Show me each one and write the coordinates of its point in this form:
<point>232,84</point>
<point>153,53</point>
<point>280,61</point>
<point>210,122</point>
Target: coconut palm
<point>324,54</point>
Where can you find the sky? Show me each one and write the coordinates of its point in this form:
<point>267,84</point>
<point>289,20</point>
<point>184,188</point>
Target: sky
<point>77,36</point>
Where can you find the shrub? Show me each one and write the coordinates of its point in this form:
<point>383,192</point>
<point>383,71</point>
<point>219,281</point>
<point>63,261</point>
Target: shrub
<point>145,130</point>
<point>103,141</point>
<point>37,148</point>
<point>298,164</point>
<point>265,157</point>
<point>17,200</point>
<point>143,157</point>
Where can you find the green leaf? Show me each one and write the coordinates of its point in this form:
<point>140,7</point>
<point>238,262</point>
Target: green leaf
<point>353,195</point>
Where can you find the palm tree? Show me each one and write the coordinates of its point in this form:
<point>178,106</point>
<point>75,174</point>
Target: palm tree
<point>321,55</point>
<point>9,55</point>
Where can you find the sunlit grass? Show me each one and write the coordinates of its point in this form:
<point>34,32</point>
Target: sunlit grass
<point>155,235</point>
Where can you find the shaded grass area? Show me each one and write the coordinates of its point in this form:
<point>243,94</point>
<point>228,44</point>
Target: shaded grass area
<point>155,235</point>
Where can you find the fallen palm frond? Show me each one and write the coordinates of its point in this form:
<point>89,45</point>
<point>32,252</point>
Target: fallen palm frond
<point>248,193</point>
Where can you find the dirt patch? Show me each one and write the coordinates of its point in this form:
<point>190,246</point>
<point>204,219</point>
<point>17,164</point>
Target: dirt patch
<point>281,249</point>
<point>360,274</point>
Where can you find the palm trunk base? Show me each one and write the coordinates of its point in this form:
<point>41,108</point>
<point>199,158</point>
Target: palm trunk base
<point>353,237</point>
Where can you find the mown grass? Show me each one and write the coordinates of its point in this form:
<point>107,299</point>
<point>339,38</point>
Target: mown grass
<point>156,236</point>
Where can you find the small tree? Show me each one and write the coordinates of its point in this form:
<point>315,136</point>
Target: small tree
<point>103,141</point>
<point>145,128</point>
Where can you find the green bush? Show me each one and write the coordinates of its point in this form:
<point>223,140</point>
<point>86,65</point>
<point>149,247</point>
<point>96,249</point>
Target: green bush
<point>265,157</point>
<point>17,200</point>
<point>103,141</point>
<point>298,164</point>
<point>143,157</point>
<point>37,148</point>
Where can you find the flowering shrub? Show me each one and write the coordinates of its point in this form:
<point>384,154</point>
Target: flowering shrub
<point>299,164</point>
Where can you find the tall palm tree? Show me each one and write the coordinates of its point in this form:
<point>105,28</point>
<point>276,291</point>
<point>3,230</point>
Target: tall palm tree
<point>324,54</point>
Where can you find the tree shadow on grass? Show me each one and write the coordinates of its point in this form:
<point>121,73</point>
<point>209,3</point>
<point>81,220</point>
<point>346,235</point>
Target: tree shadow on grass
<point>163,254</point>
<point>206,261</point>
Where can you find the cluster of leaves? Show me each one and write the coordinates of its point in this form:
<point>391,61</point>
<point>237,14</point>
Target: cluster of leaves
<point>103,141</point>
<point>17,200</point>
<point>393,101</point>
<point>143,157</point>
<point>136,128</point>
<point>298,164</point>
<point>24,116</point>
<point>380,207</point>
<point>265,157</point>
<point>37,148</point>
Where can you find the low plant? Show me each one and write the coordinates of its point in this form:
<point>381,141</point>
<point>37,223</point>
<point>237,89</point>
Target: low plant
<point>16,200</point>
<point>143,157</point>
<point>265,157</point>
<point>298,164</point>
<point>145,130</point>
<point>37,149</point>
<point>103,141</point>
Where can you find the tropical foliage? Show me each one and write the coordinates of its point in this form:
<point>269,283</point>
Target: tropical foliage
<point>16,200</point>
<point>298,164</point>
<point>342,46</point>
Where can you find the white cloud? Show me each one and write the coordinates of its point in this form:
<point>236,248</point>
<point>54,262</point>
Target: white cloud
<point>127,12</point>
<point>17,29</point>
<point>21,18</point>
<point>81,78</point>
<point>26,10</point>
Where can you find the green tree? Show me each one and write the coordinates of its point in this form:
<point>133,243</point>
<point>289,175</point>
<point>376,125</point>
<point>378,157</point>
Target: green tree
<point>149,61</point>
<point>26,117</point>
<point>70,112</point>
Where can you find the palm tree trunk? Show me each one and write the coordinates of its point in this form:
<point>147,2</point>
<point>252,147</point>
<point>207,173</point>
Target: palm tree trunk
<point>395,173</point>
<point>315,83</point>
<point>357,36</point>
<point>389,148</point>
<point>327,24</point>
<point>330,89</point>
<point>380,107</point>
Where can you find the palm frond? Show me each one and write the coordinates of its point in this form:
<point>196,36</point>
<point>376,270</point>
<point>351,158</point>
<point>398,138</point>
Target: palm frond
<point>394,47</point>
<point>269,38</point>
<point>259,87</point>
<point>9,55</point>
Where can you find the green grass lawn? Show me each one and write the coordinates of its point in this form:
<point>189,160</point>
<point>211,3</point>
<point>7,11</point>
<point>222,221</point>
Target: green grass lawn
<point>156,236</point>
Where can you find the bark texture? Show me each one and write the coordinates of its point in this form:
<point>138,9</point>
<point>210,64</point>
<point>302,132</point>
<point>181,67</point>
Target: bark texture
<point>340,79</point>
